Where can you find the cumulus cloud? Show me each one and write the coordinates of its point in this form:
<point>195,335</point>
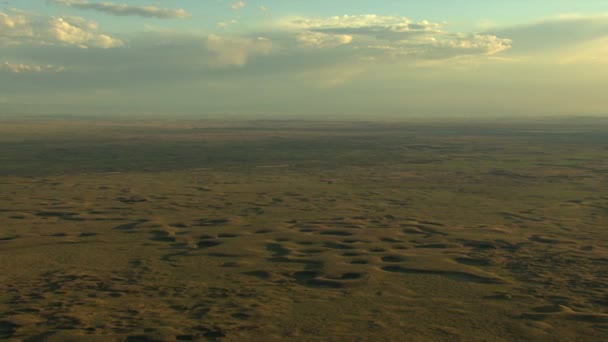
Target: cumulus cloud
<point>14,28</point>
<point>397,36</point>
<point>20,29</point>
<point>124,10</point>
<point>374,38</point>
<point>318,39</point>
<point>235,51</point>
<point>330,52</point>
<point>238,5</point>
<point>320,52</point>
<point>227,23</point>
<point>18,68</point>
<point>64,31</point>
<point>7,21</point>
<point>363,61</point>
<point>381,27</point>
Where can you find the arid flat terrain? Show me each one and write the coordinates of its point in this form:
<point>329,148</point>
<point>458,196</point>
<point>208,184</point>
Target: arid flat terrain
<point>261,231</point>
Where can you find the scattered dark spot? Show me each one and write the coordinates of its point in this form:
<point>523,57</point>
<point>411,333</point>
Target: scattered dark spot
<point>390,240</point>
<point>352,276</point>
<point>334,245</point>
<point>480,244</point>
<point>305,243</point>
<point>224,255</point>
<point>129,226</point>
<point>277,250</point>
<point>227,235</point>
<point>241,315</point>
<point>393,258</point>
<point>432,223</point>
<point>211,222</point>
<point>7,329</point>
<point>231,264</point>
<point>336,233</point>
<point>310,279</point>
<point>259,274</point>
<point>214,333</point>
<point>359,262</point>
<point>131,200</point>
<point>208,243</point>
<point>313,251</point>
<point>436,245</point>
<point>474,261</point>
<point>163,236</point>
<point>400,247</point>
<point>500,296</point>
<point>139,338</point>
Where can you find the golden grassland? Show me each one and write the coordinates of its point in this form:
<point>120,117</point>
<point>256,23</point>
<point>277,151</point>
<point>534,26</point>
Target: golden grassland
<point>188,230</point>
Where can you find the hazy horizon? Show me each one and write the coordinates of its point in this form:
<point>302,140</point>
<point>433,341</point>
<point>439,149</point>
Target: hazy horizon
<point>285,59</point>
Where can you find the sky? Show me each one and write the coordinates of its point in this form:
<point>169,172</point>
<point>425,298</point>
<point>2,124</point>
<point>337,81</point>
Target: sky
<point>293,58</point>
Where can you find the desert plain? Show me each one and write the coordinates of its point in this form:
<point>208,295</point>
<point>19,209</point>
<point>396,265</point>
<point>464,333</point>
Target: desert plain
<point>202,230</point>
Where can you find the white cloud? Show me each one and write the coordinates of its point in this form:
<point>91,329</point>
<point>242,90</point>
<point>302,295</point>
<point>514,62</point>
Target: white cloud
<point>475,43</point>
<point>397,36</point>
<point>124,10</point>
<point>236,51</point>
<point>345,21</point>
<point>327,52</point>
<point>82,23</point>
<point>318,39</point>
<point>227,23</point>
<point>14,28</point>
<point>18,68</point>
<point>19,29</point>
<point>238,5</point>
<point>64,31</point>
<point>7,21</point>
<point>362,62</point>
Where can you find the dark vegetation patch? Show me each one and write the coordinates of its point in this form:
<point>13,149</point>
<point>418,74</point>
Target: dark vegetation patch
<point>208,243</point>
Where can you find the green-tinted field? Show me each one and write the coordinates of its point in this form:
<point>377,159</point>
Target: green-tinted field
<point>192,230</point>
